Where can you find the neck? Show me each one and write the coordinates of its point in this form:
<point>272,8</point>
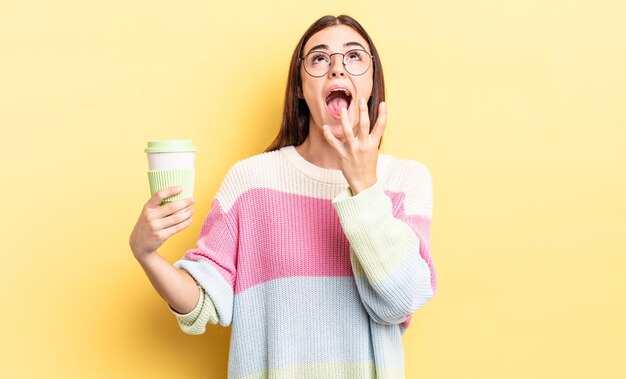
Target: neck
<point>316,150</point>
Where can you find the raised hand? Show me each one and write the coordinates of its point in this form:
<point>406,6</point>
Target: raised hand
<point>359,152</point>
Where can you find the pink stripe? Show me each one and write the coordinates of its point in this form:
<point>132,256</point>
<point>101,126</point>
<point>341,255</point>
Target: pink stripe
<point>269,249</point>
<point>216,244</point>
<point>406,322</point>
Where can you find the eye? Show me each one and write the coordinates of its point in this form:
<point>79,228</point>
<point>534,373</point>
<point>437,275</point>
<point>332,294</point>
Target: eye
<point>354,55</point>
<point>318,58</point>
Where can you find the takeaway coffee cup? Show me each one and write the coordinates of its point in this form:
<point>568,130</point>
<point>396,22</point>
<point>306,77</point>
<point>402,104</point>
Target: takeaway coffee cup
<point>171,163</point>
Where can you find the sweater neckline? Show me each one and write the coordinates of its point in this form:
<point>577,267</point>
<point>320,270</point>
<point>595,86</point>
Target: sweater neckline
<point>312,171</point>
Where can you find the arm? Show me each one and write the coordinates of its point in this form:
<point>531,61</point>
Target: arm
<point>390,254</point>
<point>198,287</point>
<point>212,265</point>
<point>155,225</point>
<point>175,286</point>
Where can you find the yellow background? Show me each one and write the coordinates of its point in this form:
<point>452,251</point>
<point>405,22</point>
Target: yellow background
<point>517,107</point>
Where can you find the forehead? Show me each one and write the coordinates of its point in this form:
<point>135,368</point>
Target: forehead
<point>335,37</point>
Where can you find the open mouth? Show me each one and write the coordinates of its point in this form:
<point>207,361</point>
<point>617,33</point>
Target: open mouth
<point>336,99</point>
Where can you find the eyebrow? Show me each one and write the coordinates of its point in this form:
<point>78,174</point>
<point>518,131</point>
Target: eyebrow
<point>325,47</point>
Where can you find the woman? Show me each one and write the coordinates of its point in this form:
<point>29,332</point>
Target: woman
<point>317,251</point>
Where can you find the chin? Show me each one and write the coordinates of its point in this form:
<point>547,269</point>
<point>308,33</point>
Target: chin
<point>337,131</point>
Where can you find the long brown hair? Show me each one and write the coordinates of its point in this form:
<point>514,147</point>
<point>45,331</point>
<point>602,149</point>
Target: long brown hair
<point>295,125</point>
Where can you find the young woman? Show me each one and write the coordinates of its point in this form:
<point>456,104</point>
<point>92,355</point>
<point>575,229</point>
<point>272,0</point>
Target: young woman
<point>317,251</point>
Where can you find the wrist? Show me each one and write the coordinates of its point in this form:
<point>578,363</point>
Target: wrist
<point>360,186</point>
<point>143,256</point>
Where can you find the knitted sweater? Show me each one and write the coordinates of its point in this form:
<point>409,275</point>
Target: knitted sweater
<point>315,282</point>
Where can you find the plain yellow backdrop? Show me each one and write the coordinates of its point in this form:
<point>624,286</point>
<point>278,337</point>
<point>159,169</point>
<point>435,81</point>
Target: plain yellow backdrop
<point>517,107</point>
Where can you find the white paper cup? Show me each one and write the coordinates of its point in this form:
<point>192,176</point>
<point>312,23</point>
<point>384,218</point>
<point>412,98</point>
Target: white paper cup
<point>171,163</point>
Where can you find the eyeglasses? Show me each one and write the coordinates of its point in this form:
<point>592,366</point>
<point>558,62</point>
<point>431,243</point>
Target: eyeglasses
<point>356,62</point>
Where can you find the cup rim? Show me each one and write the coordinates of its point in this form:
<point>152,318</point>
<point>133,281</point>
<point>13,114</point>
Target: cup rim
<point>170,146</point>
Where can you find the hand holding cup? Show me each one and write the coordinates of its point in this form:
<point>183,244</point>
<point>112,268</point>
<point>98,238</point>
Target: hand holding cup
<point>158,222</point>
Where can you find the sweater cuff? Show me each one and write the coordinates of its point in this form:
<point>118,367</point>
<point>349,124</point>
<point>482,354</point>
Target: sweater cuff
<point>191,317</point>
<point>362,211</point>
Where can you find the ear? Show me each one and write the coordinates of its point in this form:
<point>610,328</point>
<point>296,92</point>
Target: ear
<point>299,91</point>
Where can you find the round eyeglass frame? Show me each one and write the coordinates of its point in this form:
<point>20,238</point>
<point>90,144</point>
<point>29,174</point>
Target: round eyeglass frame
<point>343,58</point>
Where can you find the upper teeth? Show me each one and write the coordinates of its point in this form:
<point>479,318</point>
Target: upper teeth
<point>345,91</point>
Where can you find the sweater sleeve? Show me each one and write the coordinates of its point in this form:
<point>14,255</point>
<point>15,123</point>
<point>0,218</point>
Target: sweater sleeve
<point>212,264</point>
<point>390,254</point>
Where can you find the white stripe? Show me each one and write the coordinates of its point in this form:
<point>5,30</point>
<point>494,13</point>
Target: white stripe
<point>286,171</point>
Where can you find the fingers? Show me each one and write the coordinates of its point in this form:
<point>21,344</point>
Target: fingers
<point>345,126</point>
<point>168,232</point>
<point>163,194</point>
<point>381,122</point>
<point>331,139</point>
<point>169,214</point>
<point>157,223</point>
<point>174,220</point>
<point>364,118</point>
<point>174,206</point>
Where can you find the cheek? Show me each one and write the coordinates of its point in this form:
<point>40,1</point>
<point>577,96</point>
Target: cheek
<point>310,92</point>
<point>364,88</point>
<point>307,85</point>
<point>367,88</point>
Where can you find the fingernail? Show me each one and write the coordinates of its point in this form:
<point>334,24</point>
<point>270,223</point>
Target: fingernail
<point>363,101</point>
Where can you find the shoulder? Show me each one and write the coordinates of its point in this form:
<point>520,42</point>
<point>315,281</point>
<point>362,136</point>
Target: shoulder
<point>256,165</point>
<point>247,174</point>
<point>401,172</point>
<point>410,179</point>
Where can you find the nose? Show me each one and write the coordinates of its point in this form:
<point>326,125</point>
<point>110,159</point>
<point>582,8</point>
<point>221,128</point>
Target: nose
<point>336,66</point>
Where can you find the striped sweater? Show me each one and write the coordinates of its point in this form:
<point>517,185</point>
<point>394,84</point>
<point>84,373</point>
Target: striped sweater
<point>315,282</point>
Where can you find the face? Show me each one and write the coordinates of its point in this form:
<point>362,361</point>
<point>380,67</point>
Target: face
<point>325,95</point>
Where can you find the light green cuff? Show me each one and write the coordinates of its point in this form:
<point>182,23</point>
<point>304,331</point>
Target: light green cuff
<point>191,317</point>
<point>363,210</point>
<point>195,321</point>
